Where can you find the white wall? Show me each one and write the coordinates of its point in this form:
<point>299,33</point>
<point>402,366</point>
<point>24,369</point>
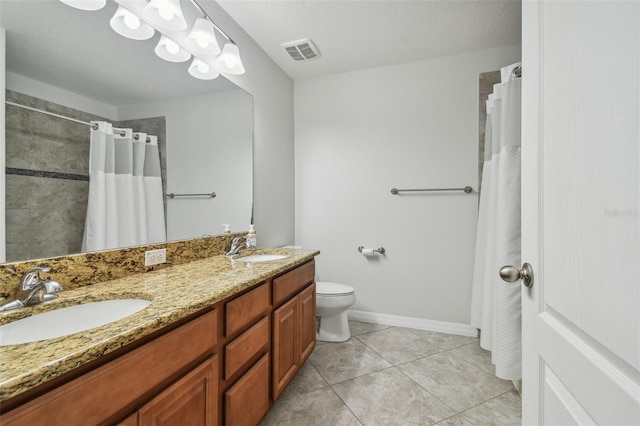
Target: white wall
<point>38,89</point>
<point>359,134</point>
<point>208,149</point>
<point>273,155</point>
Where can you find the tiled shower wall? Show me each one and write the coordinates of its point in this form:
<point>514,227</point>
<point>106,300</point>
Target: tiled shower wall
<point>47,176</point>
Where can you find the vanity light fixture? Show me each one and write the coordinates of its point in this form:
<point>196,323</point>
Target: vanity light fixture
<point>138,20</point>
<point>165,14</point>
<point>86,4</point>
<point>170,51</point>
<point>129,25</point>
<point>202,38</point>
<point>199,69</point>
<point>229,60</point>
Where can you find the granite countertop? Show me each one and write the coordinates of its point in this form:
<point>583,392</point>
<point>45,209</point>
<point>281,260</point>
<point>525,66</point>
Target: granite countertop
<point>175,293</point>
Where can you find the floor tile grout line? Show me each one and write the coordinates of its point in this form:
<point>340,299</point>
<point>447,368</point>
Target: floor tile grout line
<point>430,393</point>
<point>468,363</point>
<point>358,376</point>
<point>403,362</point>
<point>372,331</point>
<point>346,405</point>
<point>481,367</point>
<point>481,403</point>
<point>442,349</point>
<point>460,357</point>
<point>414,331</point>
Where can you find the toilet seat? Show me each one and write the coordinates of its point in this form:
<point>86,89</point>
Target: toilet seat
<point>333,289</point>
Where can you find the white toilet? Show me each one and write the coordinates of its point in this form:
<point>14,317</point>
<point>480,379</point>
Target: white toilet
<point>332,302</point>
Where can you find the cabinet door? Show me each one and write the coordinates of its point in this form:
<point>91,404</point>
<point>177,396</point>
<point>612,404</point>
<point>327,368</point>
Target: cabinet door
<point>286,345</point>
<point>191,401</point>
<point>247,401</point>
<point>307,322</point>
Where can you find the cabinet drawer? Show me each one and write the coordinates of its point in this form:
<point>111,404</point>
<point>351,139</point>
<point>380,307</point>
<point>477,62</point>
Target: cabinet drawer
<point>252,342</point>
<point>102,395</point>
<point>292,282</point>
<point>247,401</point>
<point>244,310</point>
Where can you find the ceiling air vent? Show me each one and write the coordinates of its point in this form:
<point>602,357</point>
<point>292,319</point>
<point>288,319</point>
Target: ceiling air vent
<point>301,50</point>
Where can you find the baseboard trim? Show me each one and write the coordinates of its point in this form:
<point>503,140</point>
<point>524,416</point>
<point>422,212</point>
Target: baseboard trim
<point>418,323</point>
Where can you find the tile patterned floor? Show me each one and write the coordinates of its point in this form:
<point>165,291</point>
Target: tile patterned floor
<point>397,376</point>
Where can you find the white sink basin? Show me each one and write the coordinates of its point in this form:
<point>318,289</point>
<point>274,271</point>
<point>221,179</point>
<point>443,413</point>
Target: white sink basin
<point>261,257</point>
<point>65,321</point>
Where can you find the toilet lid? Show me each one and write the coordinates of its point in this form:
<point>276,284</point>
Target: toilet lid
<point>332,289</point>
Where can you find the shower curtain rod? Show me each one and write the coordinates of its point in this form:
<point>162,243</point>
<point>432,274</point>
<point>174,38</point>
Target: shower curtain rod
<point>94,126</point>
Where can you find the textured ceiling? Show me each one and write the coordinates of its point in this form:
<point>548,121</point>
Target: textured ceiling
<point>359,34</point>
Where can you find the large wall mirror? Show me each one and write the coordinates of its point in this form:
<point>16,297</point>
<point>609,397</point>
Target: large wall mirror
<point>71,62</point>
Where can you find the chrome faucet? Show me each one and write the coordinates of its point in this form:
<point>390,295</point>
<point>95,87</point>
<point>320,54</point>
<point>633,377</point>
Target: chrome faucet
<point>32,291</point>
<point>236,245</point>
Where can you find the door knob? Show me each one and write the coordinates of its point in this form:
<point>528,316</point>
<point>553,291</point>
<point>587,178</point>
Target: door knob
<point>512,274</point>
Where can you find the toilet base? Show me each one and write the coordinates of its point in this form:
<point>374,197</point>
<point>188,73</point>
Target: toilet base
<point>334,328</point>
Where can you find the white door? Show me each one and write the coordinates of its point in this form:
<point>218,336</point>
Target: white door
<point>581,212</point>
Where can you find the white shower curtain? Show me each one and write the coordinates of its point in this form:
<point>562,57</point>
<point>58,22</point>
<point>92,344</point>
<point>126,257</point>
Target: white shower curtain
<point>125,206</point>
<point>495,307</point>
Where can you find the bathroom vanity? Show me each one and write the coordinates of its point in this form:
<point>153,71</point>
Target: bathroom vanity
<point>218,345</point>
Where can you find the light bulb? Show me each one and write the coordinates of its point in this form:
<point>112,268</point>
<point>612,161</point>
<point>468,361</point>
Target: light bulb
<point>202,42</point>
<point>129,25</point>
<point>165,14</point>
<point>201,70</point>
<point>170,51</point>
<point>172,47</point>
<point>132,21</point>
<point>202,38</point>
<point>229,60</point>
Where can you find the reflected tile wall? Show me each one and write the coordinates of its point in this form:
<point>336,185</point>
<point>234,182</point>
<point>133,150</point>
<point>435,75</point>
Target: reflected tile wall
<point>47,160</point>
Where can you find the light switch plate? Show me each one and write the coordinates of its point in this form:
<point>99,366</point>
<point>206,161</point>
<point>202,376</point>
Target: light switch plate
<point>155,257</point>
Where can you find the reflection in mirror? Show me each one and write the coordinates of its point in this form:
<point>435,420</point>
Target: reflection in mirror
<point>71,63</point>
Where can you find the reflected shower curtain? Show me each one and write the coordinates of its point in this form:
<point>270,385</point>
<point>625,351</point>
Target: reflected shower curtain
<point>495,306</point>
<point>125,206</point>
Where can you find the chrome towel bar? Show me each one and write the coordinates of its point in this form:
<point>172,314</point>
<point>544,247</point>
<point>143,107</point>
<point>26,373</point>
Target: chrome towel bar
<point>396,191</point>
<point>172,195</point>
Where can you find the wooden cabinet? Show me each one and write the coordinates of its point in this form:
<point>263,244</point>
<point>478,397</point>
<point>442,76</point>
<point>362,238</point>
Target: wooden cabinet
<point>192,400</point>
<point>227,365</point>
<point>245,389</point>
<point>286,355</point>
<point>307,322</point>
<point>112,391</point>
<point>247,401</point>
<point>294,324</point>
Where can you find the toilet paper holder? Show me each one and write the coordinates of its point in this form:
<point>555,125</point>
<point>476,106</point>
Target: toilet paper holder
<point>379,250</point>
